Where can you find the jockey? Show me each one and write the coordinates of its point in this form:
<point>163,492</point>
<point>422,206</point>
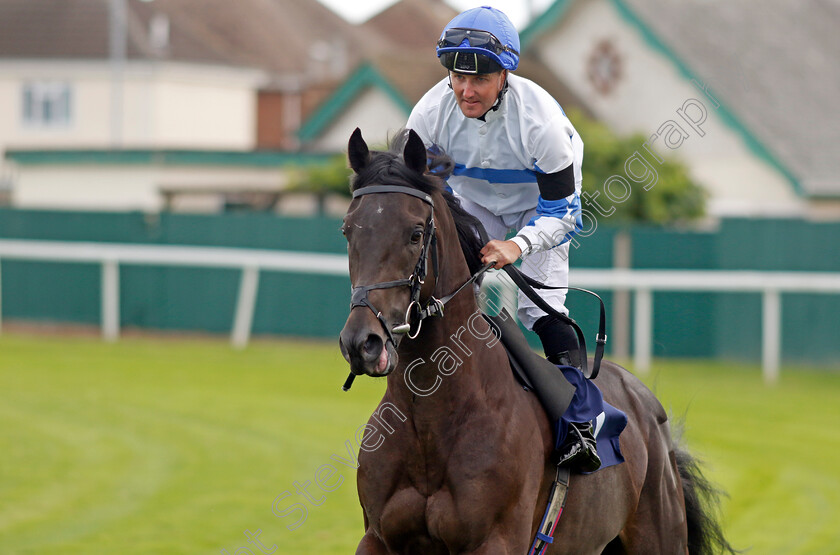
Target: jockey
<point>517,168</point>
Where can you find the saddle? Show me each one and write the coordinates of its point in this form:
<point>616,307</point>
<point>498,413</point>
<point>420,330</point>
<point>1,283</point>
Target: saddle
<point>531,370</point>
<point>565,394</point>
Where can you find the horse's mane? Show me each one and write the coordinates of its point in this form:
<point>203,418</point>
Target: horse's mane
<point>388,168</point>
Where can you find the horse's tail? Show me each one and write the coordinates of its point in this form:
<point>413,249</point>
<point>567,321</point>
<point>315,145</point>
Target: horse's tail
<point>702,502</point>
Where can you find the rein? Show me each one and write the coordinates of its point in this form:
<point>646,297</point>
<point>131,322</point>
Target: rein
<point>527,285</point>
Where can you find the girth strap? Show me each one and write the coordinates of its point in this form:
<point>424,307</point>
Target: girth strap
<point>556,502</point>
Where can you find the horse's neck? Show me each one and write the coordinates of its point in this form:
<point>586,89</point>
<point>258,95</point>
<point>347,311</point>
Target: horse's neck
<point>455,360</point>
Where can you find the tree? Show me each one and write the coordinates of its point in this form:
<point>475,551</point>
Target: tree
<point>673,197</point>
<point>322,180</point>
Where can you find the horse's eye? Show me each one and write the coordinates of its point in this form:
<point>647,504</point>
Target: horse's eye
<point>416,236</point>
<point>343,230</point>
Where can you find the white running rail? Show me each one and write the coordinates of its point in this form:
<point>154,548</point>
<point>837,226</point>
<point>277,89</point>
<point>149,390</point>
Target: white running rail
<point>251,262</point>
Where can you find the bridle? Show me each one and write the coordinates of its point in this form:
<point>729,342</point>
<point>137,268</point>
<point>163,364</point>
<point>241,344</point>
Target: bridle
<point>417,310</point>
<point>414,313</point>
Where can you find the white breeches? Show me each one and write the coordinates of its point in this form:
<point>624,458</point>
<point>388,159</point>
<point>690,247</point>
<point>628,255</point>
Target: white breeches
<point>550,267</point>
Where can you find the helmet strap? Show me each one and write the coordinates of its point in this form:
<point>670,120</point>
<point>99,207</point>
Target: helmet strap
<point>501,94</point>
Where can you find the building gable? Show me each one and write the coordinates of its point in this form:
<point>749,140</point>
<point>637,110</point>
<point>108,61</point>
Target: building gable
<point>648,84</point>
<point>342,100</point>
<point>553,18</point>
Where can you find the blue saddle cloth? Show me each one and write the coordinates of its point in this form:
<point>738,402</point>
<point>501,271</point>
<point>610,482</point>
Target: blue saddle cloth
<point>588,405</point>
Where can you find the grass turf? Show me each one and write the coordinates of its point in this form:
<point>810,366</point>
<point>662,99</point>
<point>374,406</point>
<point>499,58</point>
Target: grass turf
<point>183,446</point>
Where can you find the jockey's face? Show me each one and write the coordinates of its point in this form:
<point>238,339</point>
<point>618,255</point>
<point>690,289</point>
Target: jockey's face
<point>476,93</point>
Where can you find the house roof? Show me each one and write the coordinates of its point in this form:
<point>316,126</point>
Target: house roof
<point>302,39</point>
<point>399,60</point>
<point>774,64</point>
<point>771,64</point>
<point>276,35</point>
<point>411,28</point>
<point>410,23</point>
<point>408,67</point>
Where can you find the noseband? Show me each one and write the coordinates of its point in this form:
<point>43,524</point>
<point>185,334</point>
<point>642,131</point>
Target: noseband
<point>415,314</point>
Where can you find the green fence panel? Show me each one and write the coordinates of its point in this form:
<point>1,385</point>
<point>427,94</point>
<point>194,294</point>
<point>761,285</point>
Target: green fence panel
<point>51,291</point>
<point>685,324</point>
<point>779,245</point>
<point>256,231</point>
<point>178,298</point>
<point>809,321</point>
<point>301,305</point>
<point>241,230</point>
<point>811,329</point>
<point>682,321</point>
<point>47,225</point>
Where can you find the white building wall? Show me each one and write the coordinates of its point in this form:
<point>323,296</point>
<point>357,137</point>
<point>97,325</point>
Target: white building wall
<point>86,188</point>
<point>648,95</point>
<point>204,108</point>
<point>164,106</point>
<point>131,187</point>
<point>9,108</point>
<point>374,112</point>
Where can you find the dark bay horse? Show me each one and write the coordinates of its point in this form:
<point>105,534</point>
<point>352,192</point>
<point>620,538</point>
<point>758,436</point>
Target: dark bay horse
<point>466,468</point>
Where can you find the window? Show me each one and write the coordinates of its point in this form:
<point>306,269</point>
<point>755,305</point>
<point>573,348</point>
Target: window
<point>47,104</point>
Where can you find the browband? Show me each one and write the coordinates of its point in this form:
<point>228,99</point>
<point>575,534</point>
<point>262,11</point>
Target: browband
<point>372,189</point>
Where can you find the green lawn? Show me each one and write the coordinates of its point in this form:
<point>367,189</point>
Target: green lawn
<point>181,446</point>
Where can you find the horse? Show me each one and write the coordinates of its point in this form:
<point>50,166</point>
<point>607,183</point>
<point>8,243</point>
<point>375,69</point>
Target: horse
<point>465,467</point>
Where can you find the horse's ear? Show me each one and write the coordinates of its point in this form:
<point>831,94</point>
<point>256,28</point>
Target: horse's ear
<point>357,151</point>
<point>415,152</point>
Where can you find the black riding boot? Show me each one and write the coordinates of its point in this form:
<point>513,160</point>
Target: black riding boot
<point>561,346</point>
<point>579,451</point>
<point>559,341</point>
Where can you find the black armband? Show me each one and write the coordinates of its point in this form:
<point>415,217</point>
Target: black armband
<point>557,185</point>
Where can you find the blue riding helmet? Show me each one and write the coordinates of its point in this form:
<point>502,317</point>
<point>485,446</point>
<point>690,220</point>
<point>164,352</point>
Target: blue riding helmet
<point>480,40</point>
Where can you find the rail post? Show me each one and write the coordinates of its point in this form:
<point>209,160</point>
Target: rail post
<point>771,332</point>
<point>1,295</point>
<point>643,329</point>
<point>245,303</point>
<point>110,300</point>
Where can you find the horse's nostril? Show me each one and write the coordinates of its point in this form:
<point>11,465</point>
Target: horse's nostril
<point>372,346</point>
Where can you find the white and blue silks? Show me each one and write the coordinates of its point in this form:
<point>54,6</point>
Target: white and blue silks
<point>496,165</point>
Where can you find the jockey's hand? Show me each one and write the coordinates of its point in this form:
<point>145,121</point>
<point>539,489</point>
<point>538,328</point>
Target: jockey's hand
<point>502,252</point>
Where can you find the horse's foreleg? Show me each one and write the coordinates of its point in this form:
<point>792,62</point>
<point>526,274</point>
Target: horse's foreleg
<point>371,545</point>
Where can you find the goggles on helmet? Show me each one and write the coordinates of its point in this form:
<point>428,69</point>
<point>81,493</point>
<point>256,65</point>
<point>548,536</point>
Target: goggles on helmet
<point>452,38</point>
<point>469,62</point>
